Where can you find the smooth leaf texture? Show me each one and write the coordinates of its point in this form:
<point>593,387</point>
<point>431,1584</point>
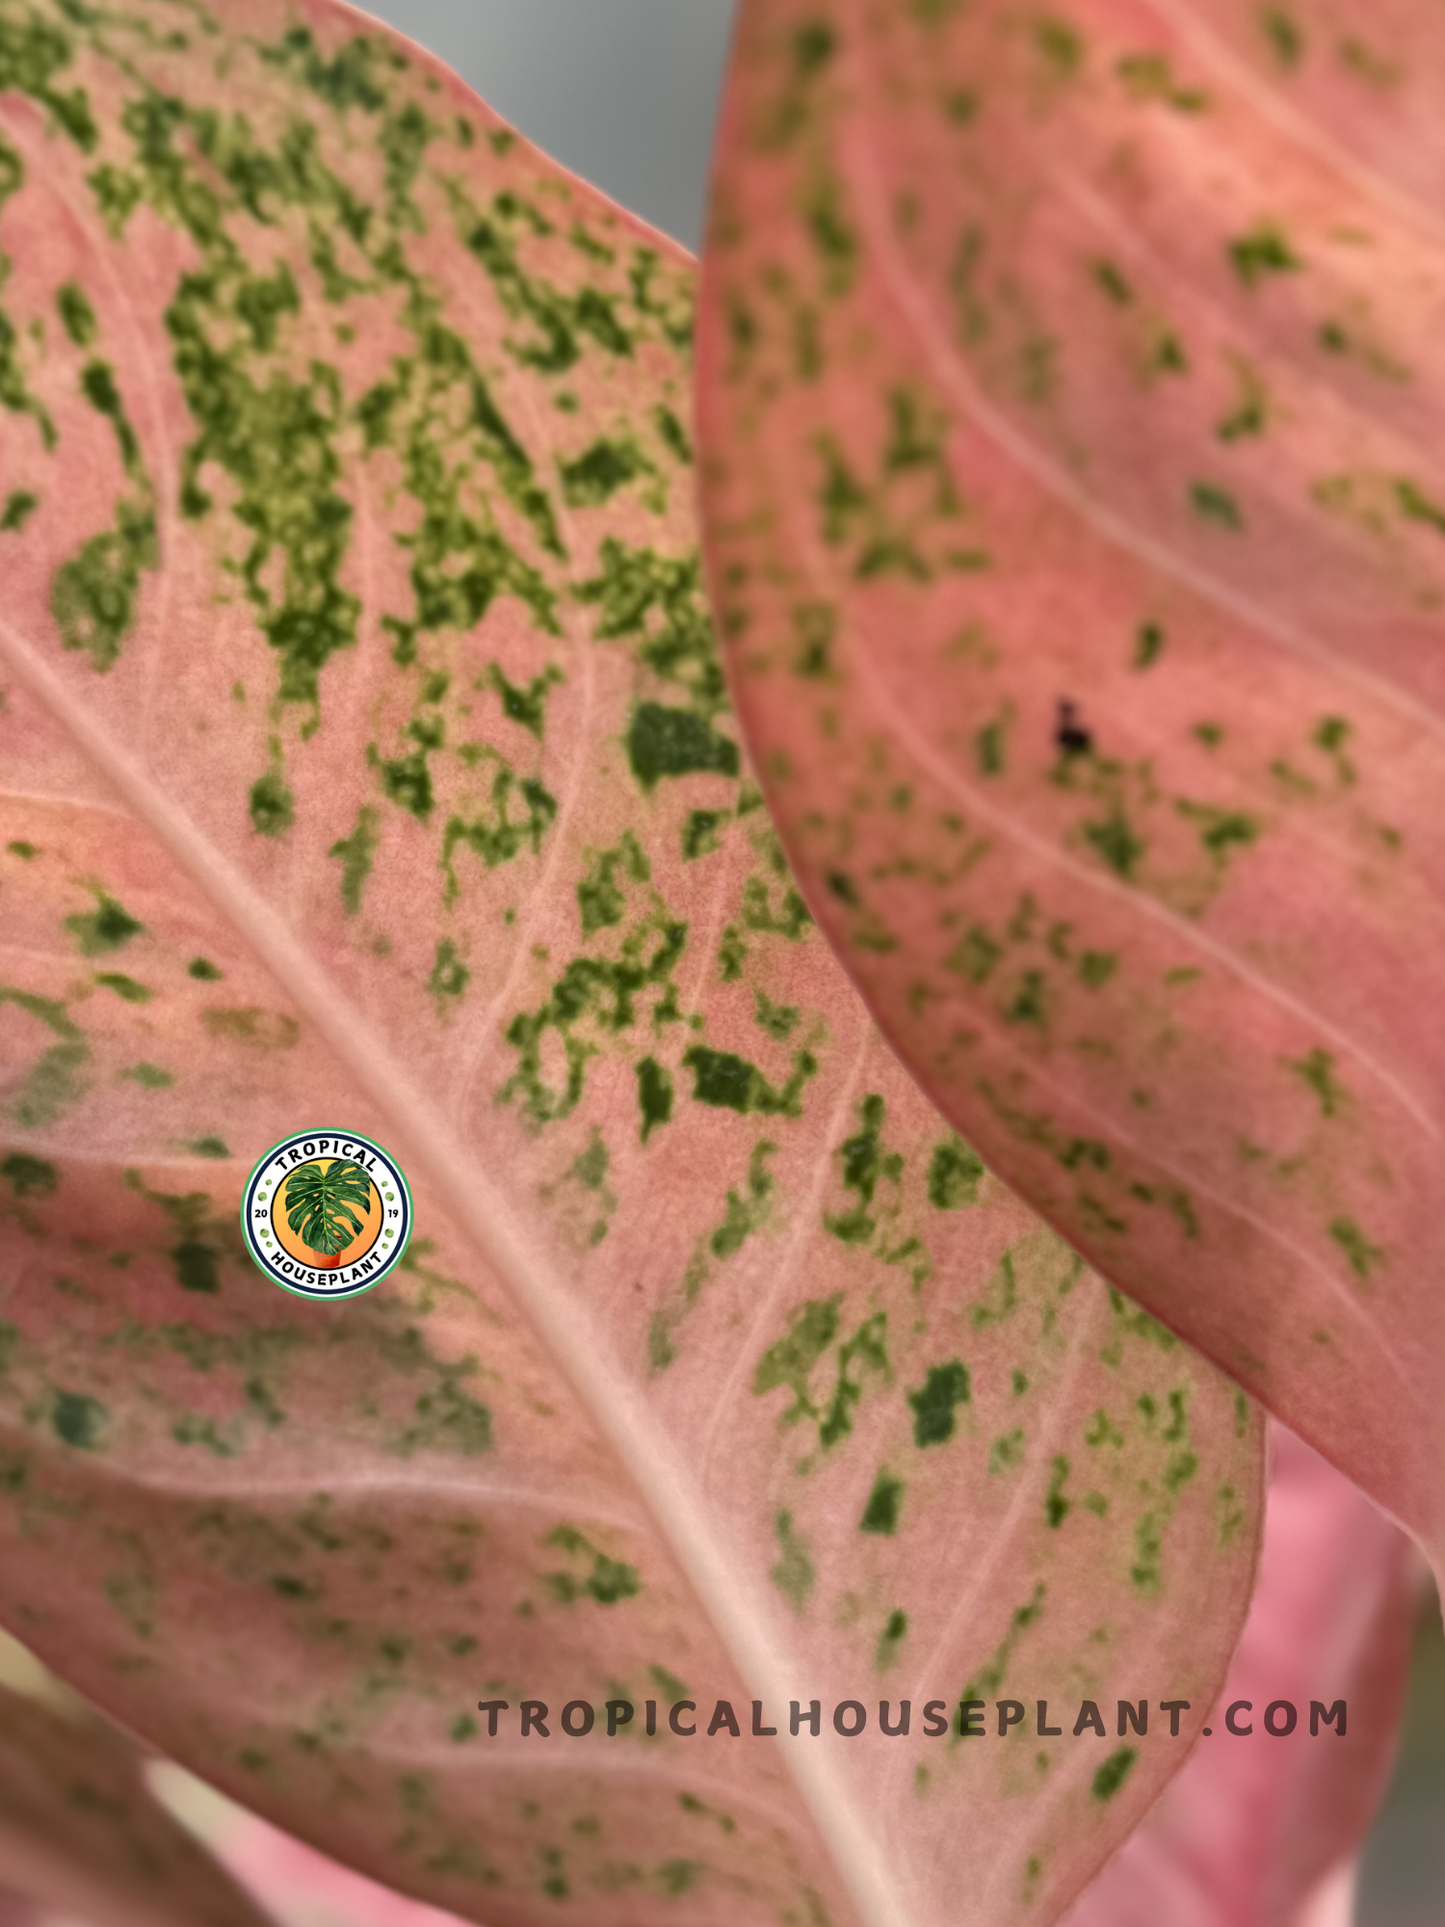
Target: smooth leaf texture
<point>298,1886</point>
<point>1259,1829</point>
<point>82,1835</point>
<point>1068,410</point>
<point>368,764</point>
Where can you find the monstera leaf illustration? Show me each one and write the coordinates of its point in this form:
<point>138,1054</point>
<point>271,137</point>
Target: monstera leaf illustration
<point>318,1203</point>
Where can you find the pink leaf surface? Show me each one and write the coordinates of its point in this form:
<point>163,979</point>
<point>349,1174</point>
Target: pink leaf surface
<point>367,763</point>
<point>1068,407</point>
<point>297,1886</point>
<point>1258,1828</point>
<point>82,1835</point>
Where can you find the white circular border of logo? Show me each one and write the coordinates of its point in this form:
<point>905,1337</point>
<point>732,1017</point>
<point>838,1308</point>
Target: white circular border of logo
<point>398,1236</point>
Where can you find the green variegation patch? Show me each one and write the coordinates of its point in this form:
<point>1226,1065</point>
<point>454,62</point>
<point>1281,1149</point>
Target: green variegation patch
<point>424,809</point>
<point>1076,536</point>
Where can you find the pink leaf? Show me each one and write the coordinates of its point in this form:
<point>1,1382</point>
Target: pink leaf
<point>81,1834</point>
<point>298,1886</point>
<point>1257,1827</point>
<point>368,766</point>
<point>1068,417</point>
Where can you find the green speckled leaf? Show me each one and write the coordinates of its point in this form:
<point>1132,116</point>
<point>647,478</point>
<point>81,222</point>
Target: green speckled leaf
<point>382,748</point>
<point>1263,1826</point>
<point>81,1834</point>
<point>1070,397</point>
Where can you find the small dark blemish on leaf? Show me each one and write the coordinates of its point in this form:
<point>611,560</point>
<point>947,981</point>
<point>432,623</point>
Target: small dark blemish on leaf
<point>1113,1773</point>
<point>1070,735</point>
<point>107,927</point>
<point>654,1095</point>
<point>272,804</point>
<point>881,1512</point>
<point>29,1177</point>
<point>79,1420</point>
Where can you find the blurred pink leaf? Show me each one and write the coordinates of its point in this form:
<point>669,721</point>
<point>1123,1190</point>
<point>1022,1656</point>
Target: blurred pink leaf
<point>297,1886</point>
<point>1259,1828</point>
<point>1367,81</point>
<point>368,765</point>
<point>1332,1904</point>
<point>1069,417</point>
<point>82,1835</point>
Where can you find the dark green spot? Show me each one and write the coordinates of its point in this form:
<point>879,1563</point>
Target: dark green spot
<point>601,897</point>
<point>594,476</point>
<point>20,505</point>
<point>933,1403</point>
<point>1416,506</point>
<point>1056,1507</point>
<point>76,314</point>
<point>272,804</point>
<point>672,432</point>
<point>991,746</point>
<point>29,1177</point>
<point>812,1327</point>
<point>1364,1256</point>
<point>354,853</point>
<point>527,706</point>
<point>881,1512</point>
<point>449,976</point>
<point>107,927</point>
<point>793,1575</point>
<point>197,1266</point>
<point>654,1095</point>
<point>813,46</point>
<point>895,1630</point>
<point>778,1020</point>
<point>700,833</point>
<point>954,1175</point>
<point>1148,644</point>
<point>124,987</point>
<point>865,1164</point>
<point>1113,1773</point>
<point>731,1083</point>
<point>1116,843</point>
<point>1215,504</point>
<point>1263,251</point>
<point>1317,1068</point>
<point>1060,45</point>
<point>607,1580</point>
<point>1111,281</point>
<point>1283,34</point>
<point>676,742</point>
<point>79,1420</point>
<point>406,781</point>
<point>1150,77</point>
<point>93,595</point>
<point>1220,831</point>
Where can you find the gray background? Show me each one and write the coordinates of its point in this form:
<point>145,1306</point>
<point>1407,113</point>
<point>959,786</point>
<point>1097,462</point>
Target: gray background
<point>622,91</point>
<point>625,92</point>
